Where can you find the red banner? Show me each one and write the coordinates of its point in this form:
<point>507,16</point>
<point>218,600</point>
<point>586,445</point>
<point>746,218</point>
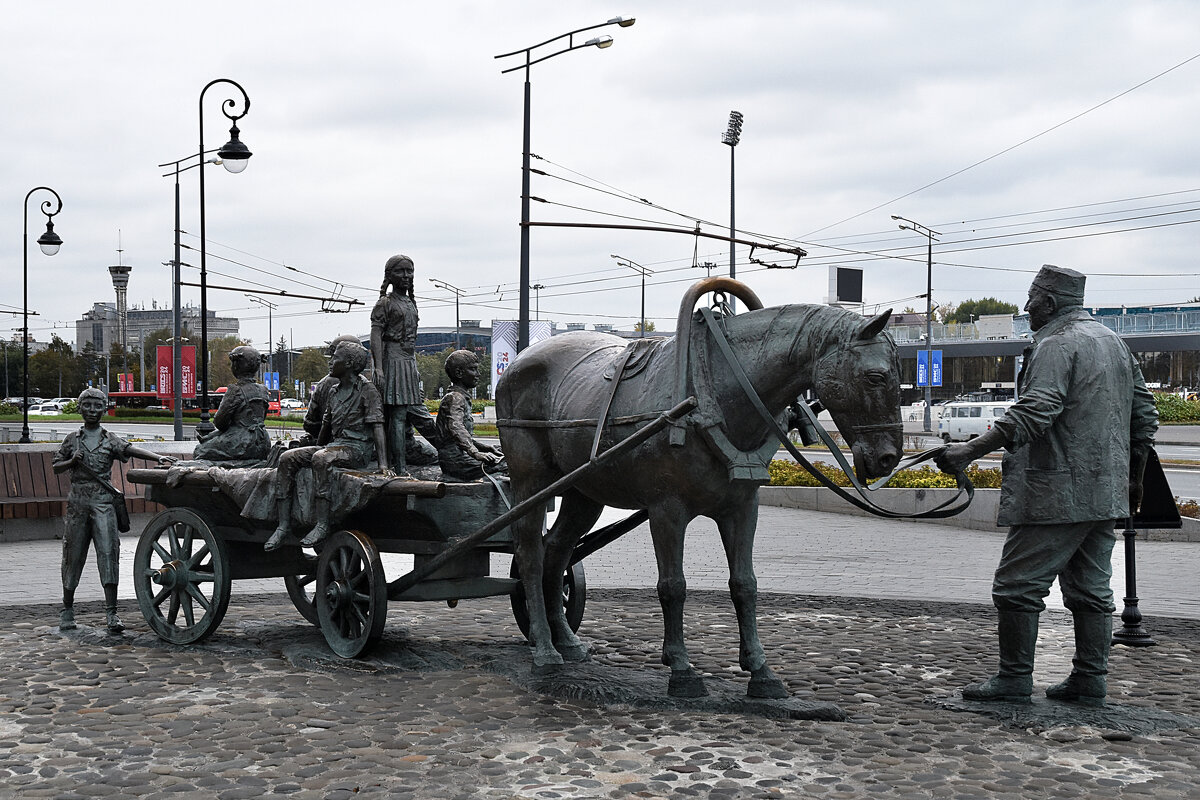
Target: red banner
<point>164,385</point>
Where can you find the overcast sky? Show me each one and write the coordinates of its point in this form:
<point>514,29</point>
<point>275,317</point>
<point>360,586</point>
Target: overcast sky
<point>386,127</point>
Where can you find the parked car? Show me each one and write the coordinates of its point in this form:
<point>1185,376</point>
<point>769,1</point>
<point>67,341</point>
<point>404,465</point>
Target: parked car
<point>963,421</point>
<point>62,401</point>
<point>291,404</point>
<point>45,409</point>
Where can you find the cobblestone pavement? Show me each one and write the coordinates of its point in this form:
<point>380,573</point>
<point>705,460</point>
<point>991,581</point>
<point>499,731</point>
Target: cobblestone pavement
<point>878,618</point>
<point>434,714</point>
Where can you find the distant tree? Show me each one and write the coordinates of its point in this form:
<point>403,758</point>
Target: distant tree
<point>637,326</point>
<point>56,371</point>
<point>969,309</point>
<point>944,312</point>
<point>153,339</point>
<point>909,310</point>
<point>311,365</point>
<point>219,371</point>
<point>432,367</point>
<point>282,366</point>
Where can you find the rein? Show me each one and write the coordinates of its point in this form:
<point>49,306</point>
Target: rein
<point>946,509</point>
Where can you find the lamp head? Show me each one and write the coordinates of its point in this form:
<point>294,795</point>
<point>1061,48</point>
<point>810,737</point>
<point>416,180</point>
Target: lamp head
<point>622,21</point>
<point>234,154</point>
<point>49,241</point>
<point>600,41</point>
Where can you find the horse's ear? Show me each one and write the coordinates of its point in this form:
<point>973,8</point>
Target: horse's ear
<point>874,325</point>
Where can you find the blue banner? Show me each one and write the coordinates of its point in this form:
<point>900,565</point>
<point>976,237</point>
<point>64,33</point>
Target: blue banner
<point>937,368</point>
<point>922,368</point>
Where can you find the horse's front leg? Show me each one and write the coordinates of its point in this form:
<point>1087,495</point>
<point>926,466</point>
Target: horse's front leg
<point>667,525</point>
<point>737,527</point>
<point>530,555</point>
<point>576,516</point>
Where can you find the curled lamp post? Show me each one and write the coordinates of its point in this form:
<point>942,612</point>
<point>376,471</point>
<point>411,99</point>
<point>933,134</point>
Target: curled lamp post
<point>49,242</point>
<point>643,271</point>
<point>234,156</point>
<point>930,234</point>
<point>600,42</point>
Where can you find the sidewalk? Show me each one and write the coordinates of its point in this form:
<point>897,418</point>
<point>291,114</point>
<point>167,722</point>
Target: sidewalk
<point>796,552</point>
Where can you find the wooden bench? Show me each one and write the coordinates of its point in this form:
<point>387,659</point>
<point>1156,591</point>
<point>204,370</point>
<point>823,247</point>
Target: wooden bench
<point>31,489</point>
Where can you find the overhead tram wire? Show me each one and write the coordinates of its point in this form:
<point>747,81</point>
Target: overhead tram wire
<point>288,266</point>
<point>1007,149</point>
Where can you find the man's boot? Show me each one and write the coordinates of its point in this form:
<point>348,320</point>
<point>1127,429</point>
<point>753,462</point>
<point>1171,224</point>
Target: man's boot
<point>284,512</point>
<point>321,529</point>
<point>1018,643</point>
<point>1087,684</point>
<point>110,609</point>
<point>66,619</point>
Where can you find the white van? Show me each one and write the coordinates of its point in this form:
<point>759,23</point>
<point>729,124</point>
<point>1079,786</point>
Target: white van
<point>963,421</point>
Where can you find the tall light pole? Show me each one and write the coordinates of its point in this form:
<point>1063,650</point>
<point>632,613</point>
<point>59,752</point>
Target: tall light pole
<point>930,234</point>
<point>537,299</point>
<point>731,137</point>
<point>49,242</point>
<point>176,342</point>
<point>270,307</point>
<point>441,284</point>
<point>234,156</point>
<point>636,267</point>
<point>600,42</point>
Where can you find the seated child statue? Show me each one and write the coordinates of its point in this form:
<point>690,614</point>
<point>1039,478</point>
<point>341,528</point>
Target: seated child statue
<point>461,456</point>
<point>241,432</point>
<point>351,435</point>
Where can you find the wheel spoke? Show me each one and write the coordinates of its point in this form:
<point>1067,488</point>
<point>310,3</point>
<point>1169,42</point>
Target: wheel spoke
<point>175,540</point>
<point>198,556</point>
<point>173,612</point>
<point>188,613</point>
<point>162,595</point>
<point>199,597</point>
<point>162,553</point>
<point>186,548</point>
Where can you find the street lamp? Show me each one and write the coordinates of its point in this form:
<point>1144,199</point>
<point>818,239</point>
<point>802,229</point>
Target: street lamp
<point>537,299</point>
<point>731,137</point>
<point>234,156</point>
<point>457,294</point>
<point>633,265</point>
<point>270,307</point>
<point>49,242</point>
<point>930,234</point>
<point>600,42</point>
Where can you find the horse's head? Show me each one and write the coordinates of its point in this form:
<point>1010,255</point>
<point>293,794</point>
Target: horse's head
<point>858,380</point>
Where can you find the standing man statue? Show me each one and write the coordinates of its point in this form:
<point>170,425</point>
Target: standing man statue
<point>91,514</point>
<point>393,352</point>
<point>1078,440</point>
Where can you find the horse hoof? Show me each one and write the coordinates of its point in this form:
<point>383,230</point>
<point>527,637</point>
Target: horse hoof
<point>546,657</point>
<point>686,683</point>
<point>574,652</point>
<point>765,686</point>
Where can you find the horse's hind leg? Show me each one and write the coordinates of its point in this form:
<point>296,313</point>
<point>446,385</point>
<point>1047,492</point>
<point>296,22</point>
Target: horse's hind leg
<point>667,524</point>
<point>576,516</point>
<point>737,528</point>
<point>529,554</point>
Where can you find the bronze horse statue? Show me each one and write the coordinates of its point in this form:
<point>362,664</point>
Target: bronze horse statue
<point>564,398</point>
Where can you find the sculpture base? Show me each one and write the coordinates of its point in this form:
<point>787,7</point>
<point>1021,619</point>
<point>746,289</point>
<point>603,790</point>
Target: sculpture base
<point>1043,714</point>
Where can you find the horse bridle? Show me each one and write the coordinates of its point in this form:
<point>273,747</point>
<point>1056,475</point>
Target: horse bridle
<point>946,509</point>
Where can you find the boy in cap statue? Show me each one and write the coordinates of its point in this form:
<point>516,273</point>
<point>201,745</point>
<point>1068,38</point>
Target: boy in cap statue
<point>1077,443</point>
<point>91,514</point>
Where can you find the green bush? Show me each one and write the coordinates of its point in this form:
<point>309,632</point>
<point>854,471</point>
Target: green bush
<point>788,473</point>
<point>1188,508</point>
<point>1173,408</point>
<point>71,408</point>
<point>9,408</point>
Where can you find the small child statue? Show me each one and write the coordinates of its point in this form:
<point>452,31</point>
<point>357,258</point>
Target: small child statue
<point>240,421</point>
<point>461,456</point>
<point>91,515</point>
<point>351,434</point>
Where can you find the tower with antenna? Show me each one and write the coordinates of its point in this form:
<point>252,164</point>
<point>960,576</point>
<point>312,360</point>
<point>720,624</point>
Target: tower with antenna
<point>120,278</point>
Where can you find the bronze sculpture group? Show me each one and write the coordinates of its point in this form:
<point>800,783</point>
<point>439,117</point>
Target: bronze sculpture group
<point>568,400</point>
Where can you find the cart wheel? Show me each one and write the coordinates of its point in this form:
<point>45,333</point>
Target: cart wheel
<point>351,593</point>
<point>574,597</point>
<point>181,576</point>
<point>302,590</point>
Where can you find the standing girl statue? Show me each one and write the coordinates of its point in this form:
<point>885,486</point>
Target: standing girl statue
<point>393,352</point>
